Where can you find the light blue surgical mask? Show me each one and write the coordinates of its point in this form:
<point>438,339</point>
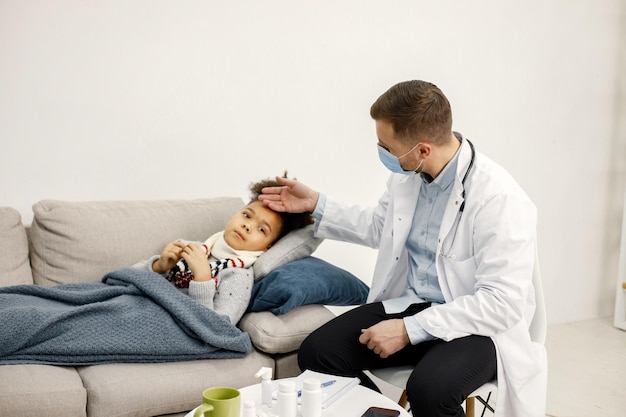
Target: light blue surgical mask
<point>392,162</point>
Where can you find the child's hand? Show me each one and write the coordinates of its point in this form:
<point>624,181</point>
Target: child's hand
<point>170,255</point>
<point>196,258</point>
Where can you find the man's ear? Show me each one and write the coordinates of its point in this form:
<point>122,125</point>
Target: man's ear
<point>425,149</point>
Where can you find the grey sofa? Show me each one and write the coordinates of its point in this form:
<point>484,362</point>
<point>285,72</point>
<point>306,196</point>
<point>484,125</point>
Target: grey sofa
<point>75,242</point>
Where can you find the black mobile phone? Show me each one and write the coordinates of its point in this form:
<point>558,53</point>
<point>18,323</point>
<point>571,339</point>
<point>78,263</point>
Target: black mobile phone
<point>380,412</point>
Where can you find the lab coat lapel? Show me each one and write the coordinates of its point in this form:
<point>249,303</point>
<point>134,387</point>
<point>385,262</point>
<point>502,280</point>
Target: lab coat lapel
<point>451,213</point>
<point>405,202</point>
<point>392,274</point>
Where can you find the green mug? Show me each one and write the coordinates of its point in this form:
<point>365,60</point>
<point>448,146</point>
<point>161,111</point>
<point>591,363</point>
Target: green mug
<point>219,402</point>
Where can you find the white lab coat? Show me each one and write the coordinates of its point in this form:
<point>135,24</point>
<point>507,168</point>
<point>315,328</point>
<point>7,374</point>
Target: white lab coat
<point>485,271</point>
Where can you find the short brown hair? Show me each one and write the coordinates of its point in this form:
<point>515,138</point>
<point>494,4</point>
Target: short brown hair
<point>415,109</point>
<point>290,221</point>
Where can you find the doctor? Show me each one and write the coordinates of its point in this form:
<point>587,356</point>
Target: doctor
<point>452,290</point>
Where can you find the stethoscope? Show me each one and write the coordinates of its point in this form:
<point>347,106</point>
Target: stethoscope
<point>457,221</point>
<point>469,169</point>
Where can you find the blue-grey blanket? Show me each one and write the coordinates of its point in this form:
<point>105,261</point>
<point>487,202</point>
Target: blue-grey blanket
<point>131,316</point>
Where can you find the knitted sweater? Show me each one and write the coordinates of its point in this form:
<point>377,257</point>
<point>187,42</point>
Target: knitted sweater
<point>232,295</point>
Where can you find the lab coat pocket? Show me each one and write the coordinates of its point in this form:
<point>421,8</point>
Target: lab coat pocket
<point>458,275</point>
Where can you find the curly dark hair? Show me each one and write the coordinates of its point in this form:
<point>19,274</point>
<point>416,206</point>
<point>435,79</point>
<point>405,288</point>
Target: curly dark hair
<point>290,221</point>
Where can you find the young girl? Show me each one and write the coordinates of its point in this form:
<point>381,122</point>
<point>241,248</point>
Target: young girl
<point>217,272</point>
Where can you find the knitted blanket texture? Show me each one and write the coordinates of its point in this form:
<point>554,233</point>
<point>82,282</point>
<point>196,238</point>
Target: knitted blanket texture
<point>133,315</point>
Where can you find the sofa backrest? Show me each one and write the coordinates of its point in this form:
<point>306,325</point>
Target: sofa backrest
<point>82,241</point>
<point>14,265</point>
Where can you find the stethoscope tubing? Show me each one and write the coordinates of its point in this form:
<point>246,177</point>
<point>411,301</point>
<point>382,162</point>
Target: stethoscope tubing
<point>457,222</point>
<point>469,169</point>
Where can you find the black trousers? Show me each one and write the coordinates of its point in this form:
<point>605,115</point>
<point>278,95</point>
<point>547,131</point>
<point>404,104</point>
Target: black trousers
<point>445,372</point>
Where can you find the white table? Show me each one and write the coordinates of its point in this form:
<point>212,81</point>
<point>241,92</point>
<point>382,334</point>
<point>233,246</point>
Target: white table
<point>353,404</point>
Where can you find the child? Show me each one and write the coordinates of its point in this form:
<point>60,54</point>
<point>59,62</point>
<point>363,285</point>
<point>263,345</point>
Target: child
<point>217,273</point>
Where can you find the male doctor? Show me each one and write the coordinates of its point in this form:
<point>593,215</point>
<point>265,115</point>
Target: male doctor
<point>452,292</point>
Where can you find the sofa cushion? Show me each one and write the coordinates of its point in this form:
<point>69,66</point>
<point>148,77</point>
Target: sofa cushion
<point>75,242</point>
<point>296,245</point>
<point>41,390</point>
<point>285,333</point>
<point>14,262</point>
<point>306,281</point>
<point>163,388</point>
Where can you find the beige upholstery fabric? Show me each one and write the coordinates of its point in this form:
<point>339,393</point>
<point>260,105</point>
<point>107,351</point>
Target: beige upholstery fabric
<point>14,262</point>
<point>285,333</point>
<point>154,389</point>
<point>75,242</point>
<point>41,390</point>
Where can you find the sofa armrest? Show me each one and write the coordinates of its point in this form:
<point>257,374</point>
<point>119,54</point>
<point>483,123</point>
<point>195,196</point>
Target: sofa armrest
<point>285,333</point>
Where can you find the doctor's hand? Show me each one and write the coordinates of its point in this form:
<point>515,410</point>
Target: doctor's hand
<point>385,338</point>
<point>292,197</point>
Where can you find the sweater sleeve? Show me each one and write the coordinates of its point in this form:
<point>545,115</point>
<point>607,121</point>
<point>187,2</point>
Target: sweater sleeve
<point>203,292</point>
<point>233,293</point>
<point>147,264</point>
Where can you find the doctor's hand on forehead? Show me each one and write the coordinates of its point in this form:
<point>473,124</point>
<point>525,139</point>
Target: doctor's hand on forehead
<point>292,197</point>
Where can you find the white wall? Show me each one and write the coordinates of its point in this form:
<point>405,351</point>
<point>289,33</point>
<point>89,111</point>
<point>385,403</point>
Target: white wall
<point>150,99</point>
